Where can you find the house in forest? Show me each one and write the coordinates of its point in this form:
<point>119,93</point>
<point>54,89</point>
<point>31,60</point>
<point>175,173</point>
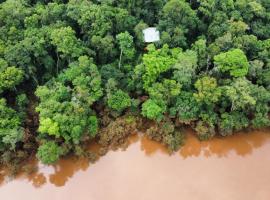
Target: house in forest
<point>151,34</point>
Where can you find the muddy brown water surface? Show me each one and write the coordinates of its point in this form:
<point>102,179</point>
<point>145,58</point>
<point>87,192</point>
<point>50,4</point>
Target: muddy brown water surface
<point>231,168</point>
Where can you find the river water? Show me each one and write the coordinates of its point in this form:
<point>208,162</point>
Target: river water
<point>231,168</point>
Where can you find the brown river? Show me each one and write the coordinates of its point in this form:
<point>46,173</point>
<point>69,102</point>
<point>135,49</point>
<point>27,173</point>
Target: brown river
<point>231,168</point>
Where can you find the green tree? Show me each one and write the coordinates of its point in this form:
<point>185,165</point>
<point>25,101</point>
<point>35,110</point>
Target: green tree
<point>166,133</point>
<point>186,108</point>
<point>71,94</point>
<point>177,21</point>
<point>66,42</point>
<point>185,68</point>
<point>204,130</point>
<point>231,122</point>
<point>99,24</point>
<point>200,47</point>
<point>85,79</point>
<point>208,90</point>
<point>119,101</point>
<point>261,109</point>
<point>9,76</point>
<point>125,41</point>
<point>49,152</point>
<point>11,130</point>
<point>153,110</point>
<point>233,62</point>
<point>165,91</point>
<point>240,94</point>
<point>156,62</point>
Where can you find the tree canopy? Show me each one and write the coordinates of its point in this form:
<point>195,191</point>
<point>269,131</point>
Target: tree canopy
<point>74,71</point>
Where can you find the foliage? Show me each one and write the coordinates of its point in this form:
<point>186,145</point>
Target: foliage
<point>11,131</point>
<point>153,110</point>
<point>239,93</point>
<point>200,47</point>
<point>186,108</point>
<point>231,122</point>
<point>84,67</point>
<point>119,101</point>
<point>85,79</point>
<point>204,131</point>
<point>177,21</point>
<point>156,62</point>
<point>49,153</point>
<point>117,131</point>
<point>126,45</point>
<point>72,94</point>
<point>66,42</point>
<point>234,62</point>
<point>208,90</point>
<point>185,68</point>
<point>9,76</point>
<point>166,133</point>
<point>164,91</point>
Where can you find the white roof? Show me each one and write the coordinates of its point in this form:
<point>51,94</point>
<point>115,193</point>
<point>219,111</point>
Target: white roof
<point>151,34</point>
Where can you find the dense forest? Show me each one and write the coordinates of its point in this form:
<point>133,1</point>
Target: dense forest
<point>73,72</point>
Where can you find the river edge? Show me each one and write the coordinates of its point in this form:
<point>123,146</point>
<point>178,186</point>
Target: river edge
<point>242,144</point>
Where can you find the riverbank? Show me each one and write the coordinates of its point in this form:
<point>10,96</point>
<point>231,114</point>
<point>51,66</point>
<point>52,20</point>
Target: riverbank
<point>234,167</point>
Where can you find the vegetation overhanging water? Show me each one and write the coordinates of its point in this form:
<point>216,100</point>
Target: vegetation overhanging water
<point>226,164</point>
<point>76,72</point>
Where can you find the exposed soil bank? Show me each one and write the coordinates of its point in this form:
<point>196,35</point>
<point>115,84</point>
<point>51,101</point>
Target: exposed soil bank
<point>235,167</point>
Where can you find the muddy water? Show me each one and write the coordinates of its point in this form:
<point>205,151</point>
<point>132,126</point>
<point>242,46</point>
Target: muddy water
<point>232,168</point>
